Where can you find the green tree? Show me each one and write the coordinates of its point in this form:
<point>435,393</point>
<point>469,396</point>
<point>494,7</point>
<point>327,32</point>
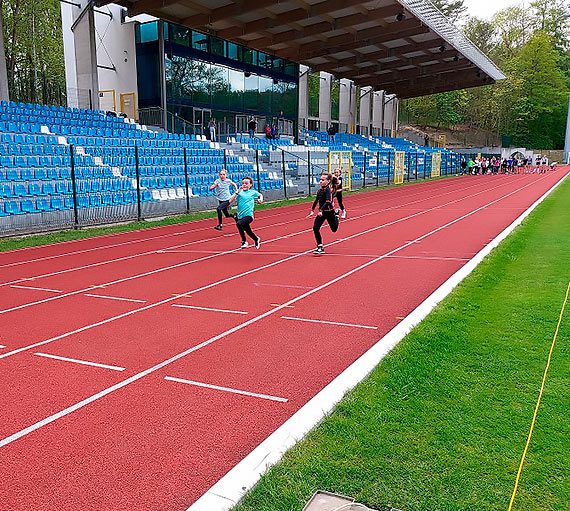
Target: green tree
<point>482,33</point>
<point>453,9</point>
<point>34,50</point>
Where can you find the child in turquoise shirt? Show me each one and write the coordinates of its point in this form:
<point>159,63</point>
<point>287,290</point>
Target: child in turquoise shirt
<point>245,197</point>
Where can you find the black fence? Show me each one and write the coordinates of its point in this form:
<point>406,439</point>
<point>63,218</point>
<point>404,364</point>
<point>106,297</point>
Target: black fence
<point>86,186</point>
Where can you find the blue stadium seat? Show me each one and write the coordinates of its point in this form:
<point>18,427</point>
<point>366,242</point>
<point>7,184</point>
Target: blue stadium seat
<point>12,208</point>
<point>28,207</point>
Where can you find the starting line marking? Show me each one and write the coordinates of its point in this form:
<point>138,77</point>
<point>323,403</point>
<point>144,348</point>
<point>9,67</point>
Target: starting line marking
<point>116,298</point>
<point>329,322</point>
<point>226,389</point>
<point>83,362</point>
<point>38,289</point>
<point>207,309</point>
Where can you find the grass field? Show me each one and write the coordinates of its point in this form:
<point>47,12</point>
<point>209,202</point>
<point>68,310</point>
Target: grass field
<point>442,422</point>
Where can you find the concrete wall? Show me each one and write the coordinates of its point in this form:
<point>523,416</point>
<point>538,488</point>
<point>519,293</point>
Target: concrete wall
<point>325,98</point>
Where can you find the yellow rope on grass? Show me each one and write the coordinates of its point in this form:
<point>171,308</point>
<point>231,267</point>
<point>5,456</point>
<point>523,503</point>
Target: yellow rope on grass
<point>539,399</point>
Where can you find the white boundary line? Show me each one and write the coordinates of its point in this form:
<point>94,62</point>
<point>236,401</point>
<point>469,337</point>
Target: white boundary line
<point>207,309</point>
<point>227,389</point>
<point>256,269</point>
<point>2,346</point>
<point>250,481</point>
<point>38,289</point>
<point>329,322</point>
<point>186,263</point>
<point>232,487</point>
<point>82,362</point>
<point>116,298</point>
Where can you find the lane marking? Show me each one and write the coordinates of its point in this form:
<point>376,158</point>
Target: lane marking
<point>2,346</point>
<point>116,298</point>
<point>72,293</point>
<point>226,389</point>
<point>232,487</point>
<point>62,413</point>
<point>82,362</point>
<point>428,258</point>
<point>38,289</point>
<point>280,305</point>
<point>539,399</point>
<point>282,285</point>
<point>259,268</point>
<point>207,309</point>
<point>330,322</point>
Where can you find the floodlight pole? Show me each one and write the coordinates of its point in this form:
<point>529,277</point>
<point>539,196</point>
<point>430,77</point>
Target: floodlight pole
<point>567,137</point>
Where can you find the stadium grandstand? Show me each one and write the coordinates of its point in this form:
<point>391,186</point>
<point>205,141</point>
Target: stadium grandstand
<point>163,94</point>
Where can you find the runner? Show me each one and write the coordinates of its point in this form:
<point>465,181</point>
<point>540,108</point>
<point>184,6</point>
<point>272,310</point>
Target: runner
<point>338,192</point>
<point>326,212</point>
<point>222,187</point>
<point>245,197</point>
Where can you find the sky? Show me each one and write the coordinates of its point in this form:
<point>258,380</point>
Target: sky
<point>486,8</point>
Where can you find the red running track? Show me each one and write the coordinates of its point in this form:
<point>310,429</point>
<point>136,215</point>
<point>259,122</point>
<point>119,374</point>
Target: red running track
<point>161,308</point>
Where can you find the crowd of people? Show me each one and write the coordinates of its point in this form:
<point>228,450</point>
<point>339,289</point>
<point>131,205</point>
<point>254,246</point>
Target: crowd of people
<point>496,165</point>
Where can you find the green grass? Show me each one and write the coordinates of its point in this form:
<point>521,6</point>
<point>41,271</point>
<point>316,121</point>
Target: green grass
<point>441,423</point>
<point>15,242</point>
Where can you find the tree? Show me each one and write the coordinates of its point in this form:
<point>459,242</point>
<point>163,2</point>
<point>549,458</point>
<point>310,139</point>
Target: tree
<point>34,49</point>
<point>452,9</point>
<point>550,16</point>
<point>481,33</point>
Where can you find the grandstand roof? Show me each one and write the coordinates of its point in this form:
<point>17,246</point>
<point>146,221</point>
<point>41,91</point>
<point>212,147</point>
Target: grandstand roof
<point>406,47</point>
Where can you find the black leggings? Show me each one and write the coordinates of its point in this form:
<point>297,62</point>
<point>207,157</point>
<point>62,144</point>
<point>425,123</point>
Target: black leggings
<point>223,206</point>
<point>338,196</point>
<point>243,227</point>
<point>331,218</point>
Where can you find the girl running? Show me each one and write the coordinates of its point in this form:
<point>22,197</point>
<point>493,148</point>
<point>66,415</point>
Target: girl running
<point>326,211</point>
<point>338,193</point>
<point>246,196</point>
<point>222,187</point>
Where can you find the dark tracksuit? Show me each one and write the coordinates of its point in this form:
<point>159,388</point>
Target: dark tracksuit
<point>324,200</point>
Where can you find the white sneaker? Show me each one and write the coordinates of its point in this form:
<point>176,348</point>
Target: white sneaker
<point>257,243</point>
<point>245,244</point>
<point>343,214</point>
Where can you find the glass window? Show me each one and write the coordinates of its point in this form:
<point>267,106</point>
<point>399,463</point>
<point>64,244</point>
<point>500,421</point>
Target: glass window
<point>217,46</point>
<point>233,51</point>
<point>249,56</point>
<point>251,94</point>
<point>147,32</point>
<point>236,79</point>
<point>291,69</point>
<point>265,89</point>
<point>201,72</point>
<point>335,98</point>
<point>219,86</point>
<point>263,60</point>
<point>199,41</point>
<point>277,64</point>
<point>148,74</point>
<point>314,90</point>
<point>180,35</point>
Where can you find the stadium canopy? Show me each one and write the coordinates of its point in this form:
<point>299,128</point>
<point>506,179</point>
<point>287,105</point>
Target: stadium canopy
<point>405,47</point>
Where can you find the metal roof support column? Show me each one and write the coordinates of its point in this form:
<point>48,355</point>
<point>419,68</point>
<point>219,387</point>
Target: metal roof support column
<point>4,92</point>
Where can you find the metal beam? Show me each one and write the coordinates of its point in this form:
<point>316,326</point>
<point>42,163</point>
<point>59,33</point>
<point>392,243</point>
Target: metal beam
<point>451,86</point>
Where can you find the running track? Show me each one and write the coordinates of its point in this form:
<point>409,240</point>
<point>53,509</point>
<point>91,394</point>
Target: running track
<point>165,310</point>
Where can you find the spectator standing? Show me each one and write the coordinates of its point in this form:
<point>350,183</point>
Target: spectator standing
<point>212,129</point>
<point>252,126</point>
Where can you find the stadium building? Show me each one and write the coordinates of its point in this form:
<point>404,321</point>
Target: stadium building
<point>177,64</point>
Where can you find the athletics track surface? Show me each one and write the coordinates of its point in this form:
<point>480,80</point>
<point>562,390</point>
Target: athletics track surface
<point>136,433</point>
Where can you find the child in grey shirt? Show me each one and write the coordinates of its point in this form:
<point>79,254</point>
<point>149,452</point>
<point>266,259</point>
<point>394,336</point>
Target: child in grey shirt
<point>222,187</point>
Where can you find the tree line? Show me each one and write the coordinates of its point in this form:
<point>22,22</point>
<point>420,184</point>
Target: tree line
<point>531,45</point>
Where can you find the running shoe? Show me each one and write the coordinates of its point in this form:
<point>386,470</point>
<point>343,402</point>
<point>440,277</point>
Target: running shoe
<point>218,227</point>
<point>245,244</point>
<point>257,243</point>
<point>319,250</point>
<point>343,214</point>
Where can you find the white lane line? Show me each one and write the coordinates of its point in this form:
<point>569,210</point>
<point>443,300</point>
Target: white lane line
<point>38,289</point>
<point>283,285</point>
<point>207,309</point>
<point>186,263</point>
<point>82,362</point>
<point>428,258</point>
<point>226,389</point>
<point>2,346</point>
<point>254,270</point>
<point>116,298</point>
<point>178,356</point>
<point>329,322</point>
<point>232,487</point>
